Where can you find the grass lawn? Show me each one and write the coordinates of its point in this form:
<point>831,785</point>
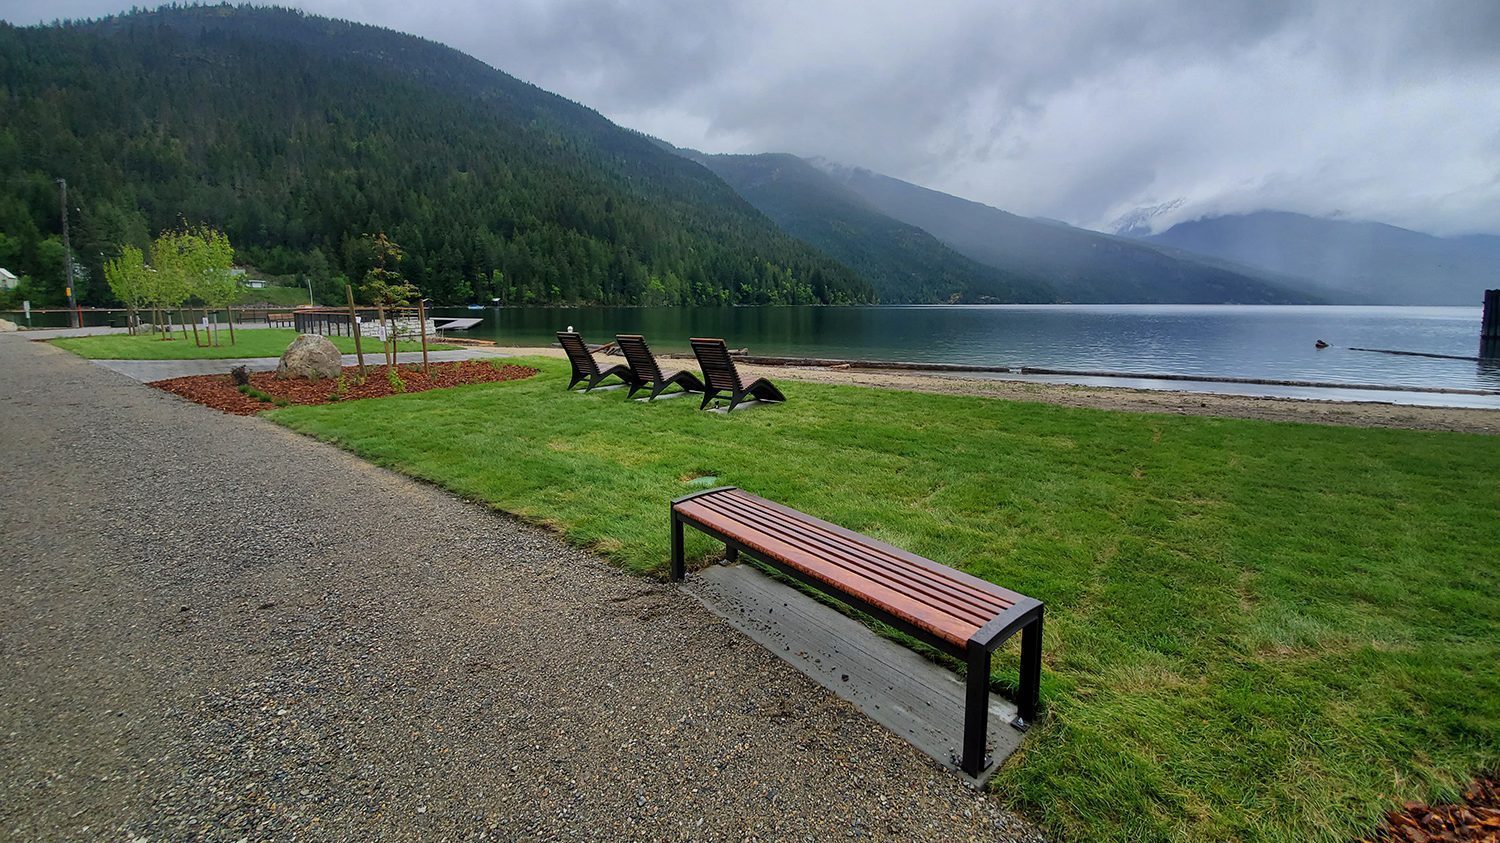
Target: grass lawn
<point>252,342</point>
<point>1256,630</point>
<point>275,296</point>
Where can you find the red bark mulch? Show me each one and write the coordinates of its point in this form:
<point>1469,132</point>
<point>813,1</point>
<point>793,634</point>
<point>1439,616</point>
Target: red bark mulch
<point>1474,820</point>
<point>221,393</point>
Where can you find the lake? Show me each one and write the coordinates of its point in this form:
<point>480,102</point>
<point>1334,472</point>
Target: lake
<point>1268,342</point>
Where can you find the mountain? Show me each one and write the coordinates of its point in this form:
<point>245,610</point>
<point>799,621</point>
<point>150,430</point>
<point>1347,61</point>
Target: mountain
<point>299,134</point>
<point>1081,266</point>
<point>1373,262</point>
<point>904,263</point>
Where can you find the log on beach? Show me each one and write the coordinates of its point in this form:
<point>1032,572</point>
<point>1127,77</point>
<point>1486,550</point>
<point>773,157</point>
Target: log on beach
<point>833,363</point>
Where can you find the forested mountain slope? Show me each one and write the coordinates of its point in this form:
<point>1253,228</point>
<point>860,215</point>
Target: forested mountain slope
<point>1081,265</point>
<point>299,135</point>
<point>903,262</point>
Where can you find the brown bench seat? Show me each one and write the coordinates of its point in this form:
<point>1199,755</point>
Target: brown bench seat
<point>959,614</point>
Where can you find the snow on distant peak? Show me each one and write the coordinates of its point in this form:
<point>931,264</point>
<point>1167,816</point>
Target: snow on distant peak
<point>1141,221</point>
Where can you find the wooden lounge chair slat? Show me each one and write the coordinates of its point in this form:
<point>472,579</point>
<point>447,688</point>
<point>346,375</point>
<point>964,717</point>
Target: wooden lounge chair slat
<point>641,360</point>
<point>585,368</point>
<point>647,373</point>
<point>721,375</point>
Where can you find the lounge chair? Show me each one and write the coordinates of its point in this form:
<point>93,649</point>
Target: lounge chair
<point>585,367</point>
<point>647,373</point>
<point>720,375</point>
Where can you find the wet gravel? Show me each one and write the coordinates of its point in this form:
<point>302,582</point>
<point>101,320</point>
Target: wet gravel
<point>211,628</point>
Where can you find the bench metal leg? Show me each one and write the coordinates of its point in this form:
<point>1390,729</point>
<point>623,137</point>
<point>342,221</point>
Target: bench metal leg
<point>731,554</point>
<point>679,565</point>
<point>1029,693</point>
<point>976,711</point>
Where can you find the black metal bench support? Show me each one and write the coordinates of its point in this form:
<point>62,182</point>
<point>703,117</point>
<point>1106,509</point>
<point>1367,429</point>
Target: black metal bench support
<point>1024,617</point>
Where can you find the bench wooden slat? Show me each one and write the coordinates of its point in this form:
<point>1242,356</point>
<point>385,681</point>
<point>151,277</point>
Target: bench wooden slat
<point>935,569</point>
<point>862,560</point>
<point>903,597</point>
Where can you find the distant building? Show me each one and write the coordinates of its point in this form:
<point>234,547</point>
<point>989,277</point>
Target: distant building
<point>8,279</point>
<point>247,282</point>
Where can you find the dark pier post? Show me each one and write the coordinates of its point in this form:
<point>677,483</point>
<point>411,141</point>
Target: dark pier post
<point>1489,329</point>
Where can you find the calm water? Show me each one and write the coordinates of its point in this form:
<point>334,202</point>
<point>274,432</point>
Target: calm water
<point>1272,342</point>
<point>1268,342</point>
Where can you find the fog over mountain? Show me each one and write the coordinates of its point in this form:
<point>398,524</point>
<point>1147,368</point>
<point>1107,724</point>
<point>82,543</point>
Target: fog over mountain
<point>1365,262</point>
<point>1081,266</point>
<point>1096,113</point>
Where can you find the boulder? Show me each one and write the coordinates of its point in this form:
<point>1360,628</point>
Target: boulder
<point>7,325</point>
<point>310,356</point>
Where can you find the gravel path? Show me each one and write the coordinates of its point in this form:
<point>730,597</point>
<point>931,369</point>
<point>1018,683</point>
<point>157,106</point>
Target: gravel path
<point>211,628</point>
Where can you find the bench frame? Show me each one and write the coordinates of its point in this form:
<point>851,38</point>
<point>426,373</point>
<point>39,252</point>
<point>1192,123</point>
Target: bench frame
<point>1025,616</point>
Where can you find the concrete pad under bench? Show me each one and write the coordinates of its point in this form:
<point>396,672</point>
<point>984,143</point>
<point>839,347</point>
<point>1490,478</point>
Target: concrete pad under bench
<point>899,689</point>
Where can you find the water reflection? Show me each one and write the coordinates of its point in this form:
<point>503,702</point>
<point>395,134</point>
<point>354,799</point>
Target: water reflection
<point>1487,372</point>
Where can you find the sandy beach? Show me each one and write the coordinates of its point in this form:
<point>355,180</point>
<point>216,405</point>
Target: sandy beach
<point>1350,413</point>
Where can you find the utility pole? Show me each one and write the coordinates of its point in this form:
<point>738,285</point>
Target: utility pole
<point>62,185</point>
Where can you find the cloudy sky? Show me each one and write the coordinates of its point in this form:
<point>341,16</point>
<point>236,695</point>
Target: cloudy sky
<point>1083,111</point>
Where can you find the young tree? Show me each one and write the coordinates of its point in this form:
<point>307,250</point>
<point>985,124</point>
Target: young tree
<point>385,288</point>
<point>212,259</point>
<point>194,263</point>
<point>172,281</point>
<point>128,278</point>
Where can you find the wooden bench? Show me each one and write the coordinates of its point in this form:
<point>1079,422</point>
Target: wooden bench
<point>958,614</point>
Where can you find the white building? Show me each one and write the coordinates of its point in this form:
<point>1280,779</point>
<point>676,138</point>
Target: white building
<point>8,279</point>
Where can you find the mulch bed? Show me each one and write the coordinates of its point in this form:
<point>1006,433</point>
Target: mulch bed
<point>1474,820</point>
<point>221,393</point>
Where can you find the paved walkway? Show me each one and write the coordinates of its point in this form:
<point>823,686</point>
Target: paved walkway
<point>212,628</point>
<point>155,370</point>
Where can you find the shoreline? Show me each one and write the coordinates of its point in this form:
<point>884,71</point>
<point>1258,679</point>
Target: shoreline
<point>898,365</point>
<point>1373,414</point>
